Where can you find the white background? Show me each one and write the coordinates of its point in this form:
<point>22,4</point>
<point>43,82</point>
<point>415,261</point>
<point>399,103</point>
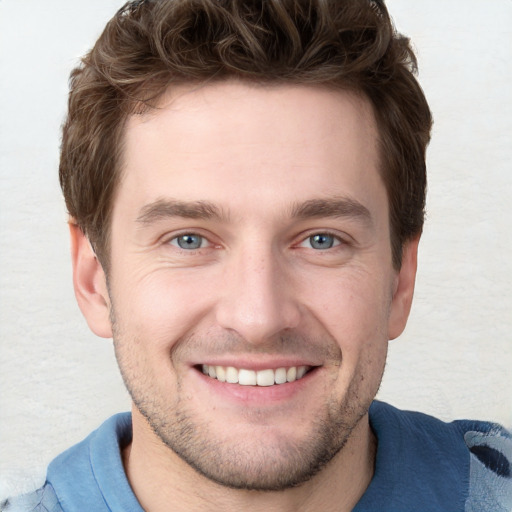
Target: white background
<point>58,381</point>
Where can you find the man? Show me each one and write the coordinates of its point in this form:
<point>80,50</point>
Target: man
<point>246,186</point>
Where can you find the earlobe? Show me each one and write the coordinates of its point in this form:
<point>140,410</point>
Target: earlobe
<point>89,282</point>
<point>403,290</point>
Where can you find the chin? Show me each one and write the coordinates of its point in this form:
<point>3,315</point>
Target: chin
<point>257,457</point>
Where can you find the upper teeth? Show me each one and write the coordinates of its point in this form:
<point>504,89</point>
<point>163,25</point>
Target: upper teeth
<point>255,378</point>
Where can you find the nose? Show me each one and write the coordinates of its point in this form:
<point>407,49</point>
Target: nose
<point>258,299</point>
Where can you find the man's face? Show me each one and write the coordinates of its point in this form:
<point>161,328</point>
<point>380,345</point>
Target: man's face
<point>250,241</point>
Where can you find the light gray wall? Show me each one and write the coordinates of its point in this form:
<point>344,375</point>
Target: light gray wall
<point>58,381</point>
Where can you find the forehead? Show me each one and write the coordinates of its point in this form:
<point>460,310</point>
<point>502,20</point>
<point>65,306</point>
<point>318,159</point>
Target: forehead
<point>230,142</point>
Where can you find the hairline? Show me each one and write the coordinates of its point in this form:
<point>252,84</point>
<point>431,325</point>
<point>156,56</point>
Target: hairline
<point>138,107</point>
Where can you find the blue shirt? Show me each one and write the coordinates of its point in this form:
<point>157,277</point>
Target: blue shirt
<point>422,464</point>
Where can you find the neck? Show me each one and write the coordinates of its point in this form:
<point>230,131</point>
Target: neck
<point>159,478</point>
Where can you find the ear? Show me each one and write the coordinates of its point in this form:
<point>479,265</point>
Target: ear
<point>403,289</point>
<point>90,284</point>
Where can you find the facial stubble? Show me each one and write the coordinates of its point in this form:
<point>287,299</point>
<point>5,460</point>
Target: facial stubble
<point>248,463</point>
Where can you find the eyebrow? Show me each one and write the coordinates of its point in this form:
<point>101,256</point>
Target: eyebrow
<point>333,207</point>
<point>205,210</point>
<point>166,208</point>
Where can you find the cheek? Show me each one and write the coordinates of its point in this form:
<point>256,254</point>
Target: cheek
<point>355,309</point>
<point>160,306</point>
<point>356,317</point>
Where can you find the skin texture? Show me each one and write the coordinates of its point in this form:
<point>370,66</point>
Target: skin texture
<point>255,173</point>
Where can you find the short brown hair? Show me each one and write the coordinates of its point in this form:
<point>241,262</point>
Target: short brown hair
<point>150,45</point>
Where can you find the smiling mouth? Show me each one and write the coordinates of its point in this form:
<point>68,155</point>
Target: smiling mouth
<point>243,377</point>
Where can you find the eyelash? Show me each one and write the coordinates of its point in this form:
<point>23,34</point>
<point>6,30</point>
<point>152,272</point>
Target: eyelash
<point>337,241</point>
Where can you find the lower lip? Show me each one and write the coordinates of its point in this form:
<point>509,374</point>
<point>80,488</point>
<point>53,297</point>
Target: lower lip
<point>257,395</point>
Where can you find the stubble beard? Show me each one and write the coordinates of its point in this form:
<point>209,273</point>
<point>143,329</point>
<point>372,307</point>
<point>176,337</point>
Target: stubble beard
<point>239,464</point>
<point>247,464</point>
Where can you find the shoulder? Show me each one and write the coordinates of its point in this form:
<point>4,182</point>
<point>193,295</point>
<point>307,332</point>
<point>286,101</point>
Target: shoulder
<point>90,475</point>
<point>87,477</point>
<point>469,433</point>
<point>466,464</point>
<point>41,500</point>
<point>103,444</point>
<point>490,477</point>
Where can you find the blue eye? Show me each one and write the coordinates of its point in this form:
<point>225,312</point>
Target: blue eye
<point>322,241</point>
<point>189,241</point>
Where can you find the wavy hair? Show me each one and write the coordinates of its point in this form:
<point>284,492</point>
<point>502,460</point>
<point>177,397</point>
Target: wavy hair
<point>151,45</point>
